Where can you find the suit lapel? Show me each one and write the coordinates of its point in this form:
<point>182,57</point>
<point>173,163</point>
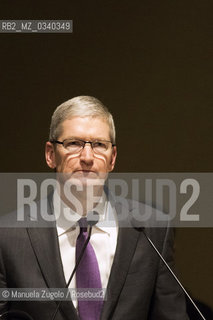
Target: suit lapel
<point>44,241</point>
<point>45,245</point>
<point>46,248</point>
<point>126,246</point>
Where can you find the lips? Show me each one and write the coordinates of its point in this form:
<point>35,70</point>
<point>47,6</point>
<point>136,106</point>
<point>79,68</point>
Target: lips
<point>82,172</point>
<point>87,171</point>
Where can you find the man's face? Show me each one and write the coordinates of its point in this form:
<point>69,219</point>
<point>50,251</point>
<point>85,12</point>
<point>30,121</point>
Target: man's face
<point>85,164</point>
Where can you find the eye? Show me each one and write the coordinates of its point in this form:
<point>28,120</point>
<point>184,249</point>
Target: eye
<point>99,144</point>
<point>73,143</point>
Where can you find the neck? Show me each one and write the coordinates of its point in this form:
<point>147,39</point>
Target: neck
<point>84,200</point>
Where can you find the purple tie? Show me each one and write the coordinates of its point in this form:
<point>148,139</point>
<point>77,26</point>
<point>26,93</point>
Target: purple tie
<point>87,276</point>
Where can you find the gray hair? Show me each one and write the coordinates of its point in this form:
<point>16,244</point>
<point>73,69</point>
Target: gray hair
<point>81,106</point>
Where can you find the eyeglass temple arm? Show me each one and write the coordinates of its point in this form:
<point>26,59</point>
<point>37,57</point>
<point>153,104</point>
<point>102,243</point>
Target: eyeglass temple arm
<point>56,141</point>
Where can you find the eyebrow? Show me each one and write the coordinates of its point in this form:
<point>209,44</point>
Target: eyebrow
<point>78,138</point>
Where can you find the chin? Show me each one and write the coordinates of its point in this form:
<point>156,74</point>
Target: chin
<point>85,178</point>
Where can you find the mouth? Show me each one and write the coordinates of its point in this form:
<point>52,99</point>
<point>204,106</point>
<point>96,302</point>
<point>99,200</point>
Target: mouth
<point>86,171</point>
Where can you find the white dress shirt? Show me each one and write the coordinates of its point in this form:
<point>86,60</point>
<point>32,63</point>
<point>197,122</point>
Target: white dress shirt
<point>103,238</point>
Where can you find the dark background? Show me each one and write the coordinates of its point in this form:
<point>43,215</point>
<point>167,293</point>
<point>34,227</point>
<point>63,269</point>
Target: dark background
<point>150,62</point>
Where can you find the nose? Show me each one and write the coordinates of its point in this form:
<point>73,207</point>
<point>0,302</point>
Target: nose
<point>87,155</point>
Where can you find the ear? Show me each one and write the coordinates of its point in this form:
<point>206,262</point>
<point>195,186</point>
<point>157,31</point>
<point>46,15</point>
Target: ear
<point>113,158</point>
<point>50,155</point>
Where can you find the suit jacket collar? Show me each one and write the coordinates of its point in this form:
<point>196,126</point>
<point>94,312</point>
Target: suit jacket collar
<point>45,244</point>
<point>126,246</point>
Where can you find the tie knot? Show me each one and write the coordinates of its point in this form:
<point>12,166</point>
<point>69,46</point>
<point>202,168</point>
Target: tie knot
<point>83,224</point>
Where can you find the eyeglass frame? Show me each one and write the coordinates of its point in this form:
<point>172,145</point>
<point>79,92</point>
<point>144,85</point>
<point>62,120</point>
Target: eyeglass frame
<point>85,142</point>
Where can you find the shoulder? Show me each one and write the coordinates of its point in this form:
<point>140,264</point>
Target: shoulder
<point>132,213</point>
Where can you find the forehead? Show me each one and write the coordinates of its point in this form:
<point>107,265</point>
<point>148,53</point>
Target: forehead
<point>85,128</point>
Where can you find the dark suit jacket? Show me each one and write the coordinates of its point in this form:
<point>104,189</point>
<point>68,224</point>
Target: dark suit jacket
<point>139,287</point>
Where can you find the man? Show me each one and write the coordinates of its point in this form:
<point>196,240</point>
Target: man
<point>81,149</point>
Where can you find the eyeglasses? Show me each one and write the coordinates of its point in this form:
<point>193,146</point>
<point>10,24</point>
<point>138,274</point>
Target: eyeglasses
<point>76,145</point>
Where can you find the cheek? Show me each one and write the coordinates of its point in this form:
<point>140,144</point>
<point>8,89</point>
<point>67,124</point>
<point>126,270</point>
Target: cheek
<point>103,163</point>
<point>102,158</point>
<point>72,161</point>
<point>68,160</point>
